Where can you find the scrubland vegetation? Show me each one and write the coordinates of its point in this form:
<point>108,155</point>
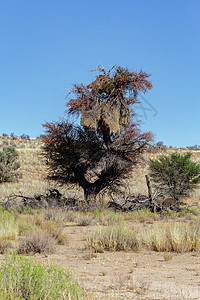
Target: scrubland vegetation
<point>40,231</point>
<point>26,232</point>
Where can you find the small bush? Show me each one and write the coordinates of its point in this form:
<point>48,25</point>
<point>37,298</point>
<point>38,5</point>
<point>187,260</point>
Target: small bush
<point>28,209</point>
<point>9,164</point>
<point>171,213</point>
<point>113,239</point>
<point>21,278</point>
<point>37,242</point>
<point>97,213</point>
<point>70,216</point>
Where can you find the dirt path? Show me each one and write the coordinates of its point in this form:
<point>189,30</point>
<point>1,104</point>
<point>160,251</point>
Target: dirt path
<point>127,275</point>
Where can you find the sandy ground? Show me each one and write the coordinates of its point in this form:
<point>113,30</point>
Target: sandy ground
<point>127,275</point>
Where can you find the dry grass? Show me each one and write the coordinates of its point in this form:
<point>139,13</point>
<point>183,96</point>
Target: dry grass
<point>5,245</point>
<point>30,229</point>
<point>28,188</point>
<point>108,218</point>
<point>175,237</point>
<point>84,219</point>
<point>113,238</point>
<point>142,216</point>
<point>8,225</point>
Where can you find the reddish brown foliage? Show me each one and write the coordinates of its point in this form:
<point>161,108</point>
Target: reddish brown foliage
<point>121,80</point>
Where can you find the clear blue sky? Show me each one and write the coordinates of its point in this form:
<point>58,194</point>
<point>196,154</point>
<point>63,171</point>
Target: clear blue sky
<point>47,45</point>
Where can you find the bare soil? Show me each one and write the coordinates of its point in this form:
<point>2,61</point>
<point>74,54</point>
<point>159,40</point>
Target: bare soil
<point>127,275</point>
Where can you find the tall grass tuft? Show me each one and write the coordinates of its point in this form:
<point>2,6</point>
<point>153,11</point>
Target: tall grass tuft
<point>174,237</point>
<point>113,238</point>
<point>8,231</point>
<point>8,225</point>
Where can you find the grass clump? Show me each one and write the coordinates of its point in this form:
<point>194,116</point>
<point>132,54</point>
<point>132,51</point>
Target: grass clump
<point>55,232</point>
<point>113,238</point>
<point>51,229</point>
<point>8,225</point>
<point>59,216</point>
<point>84,219</point>
<point>142,216</point>
<point>109,218</point>
<point>194,210</point>
<point>25,227</point>
<point>21,278</point>
<point>172,237</point>
<point>8,231</point>
<point>5,245</point>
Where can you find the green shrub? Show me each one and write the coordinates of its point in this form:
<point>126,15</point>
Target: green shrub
<point>176,174</point>
<point>21,278</point>
<point>8,164</point>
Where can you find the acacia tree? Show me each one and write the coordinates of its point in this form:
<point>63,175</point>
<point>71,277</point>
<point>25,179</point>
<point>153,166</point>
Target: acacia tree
<point>175,175</point>
<point>101,151</point>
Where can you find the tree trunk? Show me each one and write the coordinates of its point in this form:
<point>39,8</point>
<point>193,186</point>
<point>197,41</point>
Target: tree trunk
<point>90,194</point>
<point>150,193</point>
